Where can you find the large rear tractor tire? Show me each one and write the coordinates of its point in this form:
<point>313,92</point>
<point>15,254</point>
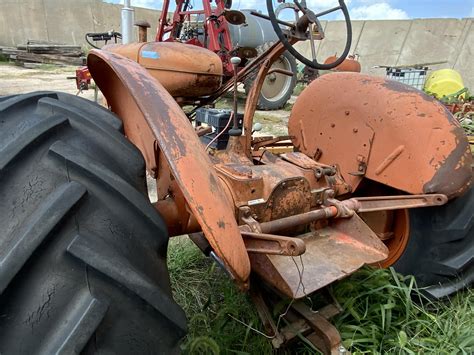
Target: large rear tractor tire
<point>277,88</point>
<point>440,247</point>
<point>434,244</point>
<point>82,250</point>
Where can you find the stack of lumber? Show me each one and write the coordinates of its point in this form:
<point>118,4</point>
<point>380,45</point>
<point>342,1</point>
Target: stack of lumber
<point>35,53</point>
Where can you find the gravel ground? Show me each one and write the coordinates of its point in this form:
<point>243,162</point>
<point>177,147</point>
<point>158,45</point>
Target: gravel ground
<point>18,80</point>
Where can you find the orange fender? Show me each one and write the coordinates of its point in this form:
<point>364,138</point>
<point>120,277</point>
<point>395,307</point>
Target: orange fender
<point>155,123</point>
<point>382,130</point>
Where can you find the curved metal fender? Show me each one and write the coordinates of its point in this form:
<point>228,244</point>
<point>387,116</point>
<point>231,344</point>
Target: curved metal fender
<point>152,119</point>
<point>382,130</point>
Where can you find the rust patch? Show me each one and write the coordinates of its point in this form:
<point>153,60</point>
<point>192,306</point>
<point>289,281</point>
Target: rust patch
<point>398,115</point>
<point>394,85</point>
<point>453,176</point>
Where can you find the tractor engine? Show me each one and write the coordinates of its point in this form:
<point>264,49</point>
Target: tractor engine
<point>278,186</point>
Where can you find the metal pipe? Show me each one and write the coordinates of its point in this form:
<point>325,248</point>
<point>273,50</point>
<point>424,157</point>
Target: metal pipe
<point>284,23</point>
<point>127,22</point>
<point>280,71</point>
<point>235,131</point>
<point>298,220</point>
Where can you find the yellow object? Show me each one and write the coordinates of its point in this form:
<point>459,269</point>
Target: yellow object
<point>444,82</point>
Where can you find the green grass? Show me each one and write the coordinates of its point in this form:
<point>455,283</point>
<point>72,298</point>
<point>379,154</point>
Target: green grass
<point>299,89</point>
<point>210,300</point>
<point>380,315</point>
<point>3,59</point>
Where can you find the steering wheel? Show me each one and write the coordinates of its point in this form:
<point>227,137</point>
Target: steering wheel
<point>300,30</point>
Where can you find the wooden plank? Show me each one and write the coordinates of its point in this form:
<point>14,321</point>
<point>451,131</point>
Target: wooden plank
<point>48,58</point>
<point>40,41</point>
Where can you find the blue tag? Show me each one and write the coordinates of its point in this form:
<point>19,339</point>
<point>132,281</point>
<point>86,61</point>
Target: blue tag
<point>150,54</point>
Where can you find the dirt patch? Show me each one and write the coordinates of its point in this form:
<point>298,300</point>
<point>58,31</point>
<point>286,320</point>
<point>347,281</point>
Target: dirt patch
<point>18,80</point>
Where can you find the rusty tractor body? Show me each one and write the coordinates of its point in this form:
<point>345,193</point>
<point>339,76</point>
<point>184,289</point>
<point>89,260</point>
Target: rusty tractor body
<point>363,151</point>
<point>372,172</point>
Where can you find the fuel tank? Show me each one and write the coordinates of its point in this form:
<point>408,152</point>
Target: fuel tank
<point>254,33</point>
<point>184,70</point>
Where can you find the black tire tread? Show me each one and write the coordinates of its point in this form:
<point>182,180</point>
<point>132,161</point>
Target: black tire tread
<point>440,251</point>
<point>83,252</point>
<point>41,222</point>
<point>14,147</point>
<point>87,314</point>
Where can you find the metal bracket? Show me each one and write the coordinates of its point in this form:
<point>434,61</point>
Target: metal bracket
<point>273,244</point>
<point>325,336</point>
<point>301,321</point>
<point>387,203</point>
<point>245,215</point>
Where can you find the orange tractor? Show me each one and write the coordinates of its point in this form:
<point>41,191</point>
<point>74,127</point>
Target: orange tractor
<point>378,173</point>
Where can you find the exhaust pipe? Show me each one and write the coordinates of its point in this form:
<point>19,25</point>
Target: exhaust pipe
<point>127,22</point>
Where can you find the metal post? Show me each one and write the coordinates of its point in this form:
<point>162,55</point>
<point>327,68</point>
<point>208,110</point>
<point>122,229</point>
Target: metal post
<point>127,22</point>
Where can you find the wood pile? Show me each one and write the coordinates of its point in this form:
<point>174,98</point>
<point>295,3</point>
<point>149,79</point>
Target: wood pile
<point>34,53</point>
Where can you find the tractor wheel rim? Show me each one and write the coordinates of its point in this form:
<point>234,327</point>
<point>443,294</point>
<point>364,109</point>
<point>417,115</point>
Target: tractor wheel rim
<point>401,234</point>
<point>276,85</point>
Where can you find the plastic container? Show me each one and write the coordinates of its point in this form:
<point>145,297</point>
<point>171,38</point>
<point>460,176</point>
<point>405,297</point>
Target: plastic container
<point>414,77</point>
<point>444,82</point>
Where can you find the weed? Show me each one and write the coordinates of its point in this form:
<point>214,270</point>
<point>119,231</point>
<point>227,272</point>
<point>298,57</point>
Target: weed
<point>211,301</point>
<point>383,312</point>
<point>299,89</point>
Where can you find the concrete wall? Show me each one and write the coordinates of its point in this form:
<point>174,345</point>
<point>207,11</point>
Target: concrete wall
<point>61,20</point>
<point>397,42</point>
<point>404,42</point>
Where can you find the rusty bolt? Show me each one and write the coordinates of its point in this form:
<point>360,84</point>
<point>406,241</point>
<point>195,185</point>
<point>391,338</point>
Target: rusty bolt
<point>246,212</point>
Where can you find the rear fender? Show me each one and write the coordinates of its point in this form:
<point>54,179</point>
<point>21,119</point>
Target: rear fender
<point>155,123</point>
<point>384,131</point>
